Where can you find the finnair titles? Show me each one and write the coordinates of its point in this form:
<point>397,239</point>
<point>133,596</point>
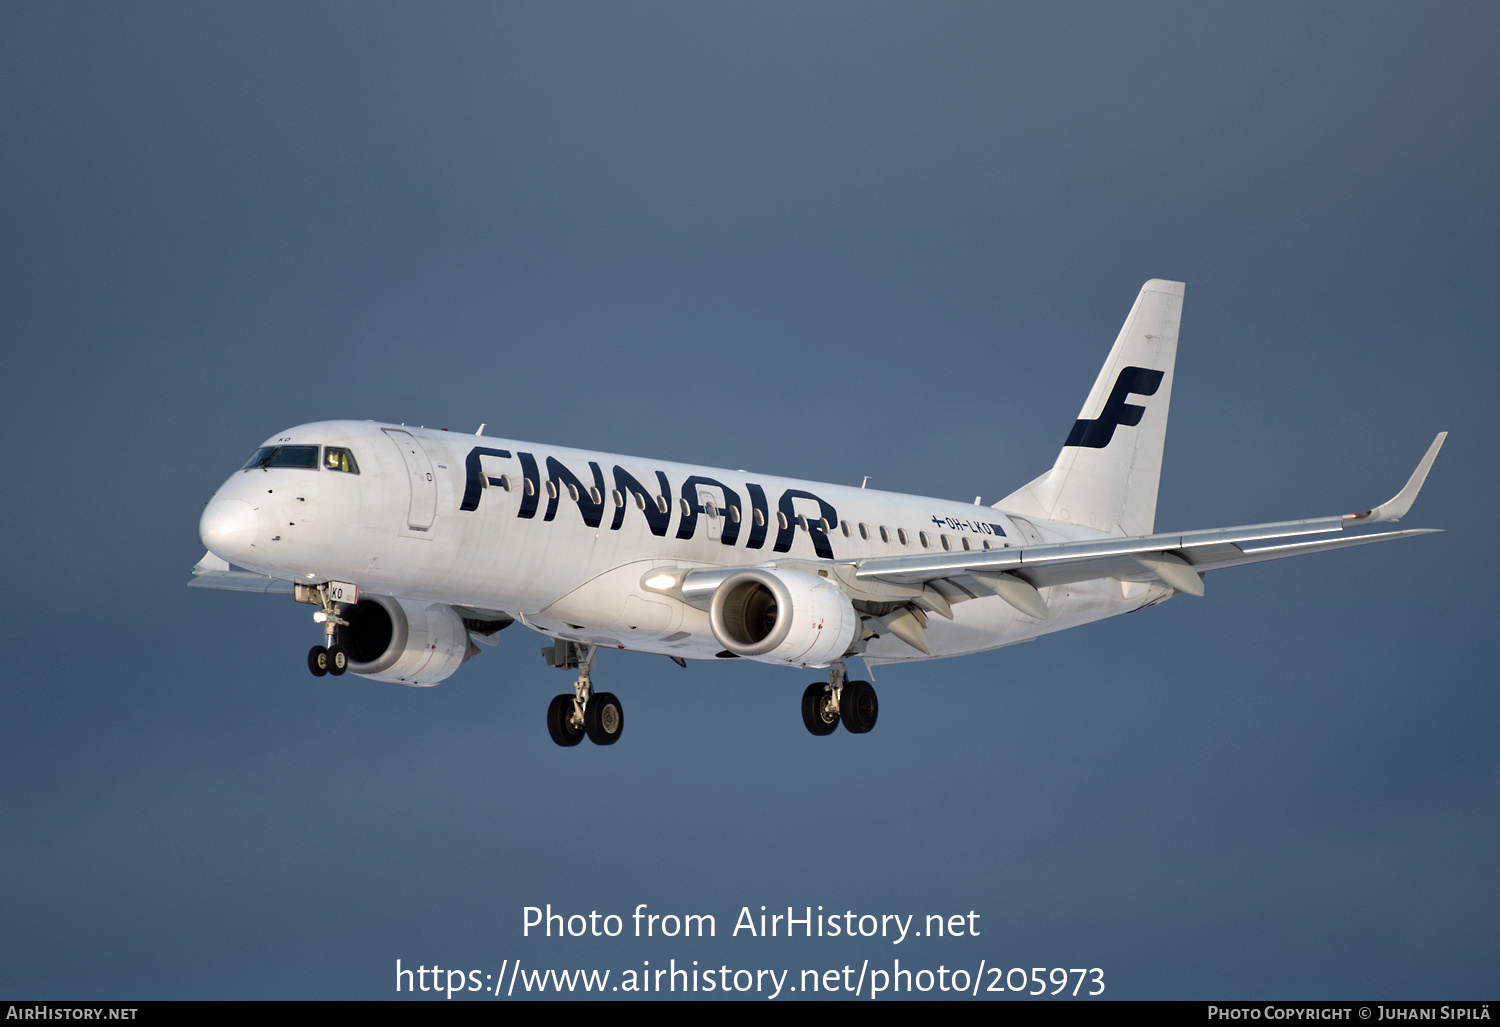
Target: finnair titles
<point>416,544</point>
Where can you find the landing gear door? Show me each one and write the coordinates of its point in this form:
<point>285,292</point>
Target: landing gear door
<point>423,505</point>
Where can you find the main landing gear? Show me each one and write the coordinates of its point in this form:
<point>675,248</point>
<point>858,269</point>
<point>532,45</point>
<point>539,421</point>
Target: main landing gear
<point>852,702</point>
<point>597,715</point>
<point>329,658</point>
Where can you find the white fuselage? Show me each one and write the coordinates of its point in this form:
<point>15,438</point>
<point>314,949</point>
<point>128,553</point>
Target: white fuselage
<point>562,538</point>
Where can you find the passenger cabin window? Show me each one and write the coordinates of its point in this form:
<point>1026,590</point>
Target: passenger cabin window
<point>337,458</point>
<point>844,527</point>
<point>305,457</point>
<point>885,535</point>
<point>864,532</point>
<point>947,545</point>
<point>922,535</point>
<point>903,536</point>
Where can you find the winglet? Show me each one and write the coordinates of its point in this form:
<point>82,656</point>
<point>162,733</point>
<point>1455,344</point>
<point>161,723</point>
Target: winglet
<point>1396,508</point>
<point>210,564</point>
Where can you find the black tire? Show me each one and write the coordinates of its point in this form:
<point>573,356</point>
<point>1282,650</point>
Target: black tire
<point>317,661</point>
<point>820,715</point>
<point>338,660</point>
<point>858,708</point>
<point>604,720</point>
<point>559,721</point>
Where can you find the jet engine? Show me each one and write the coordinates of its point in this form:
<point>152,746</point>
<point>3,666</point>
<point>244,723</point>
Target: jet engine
<point>783,616</point>
<point>404,641</point>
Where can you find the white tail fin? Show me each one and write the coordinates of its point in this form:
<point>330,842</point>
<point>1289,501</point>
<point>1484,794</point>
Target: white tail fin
<point>1107,474</point>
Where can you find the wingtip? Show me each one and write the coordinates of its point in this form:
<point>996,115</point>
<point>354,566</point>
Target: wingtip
<point>1400,504</point>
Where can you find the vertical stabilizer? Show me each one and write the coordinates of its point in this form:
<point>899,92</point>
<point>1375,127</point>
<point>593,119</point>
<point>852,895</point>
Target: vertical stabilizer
<point>1107,474</point>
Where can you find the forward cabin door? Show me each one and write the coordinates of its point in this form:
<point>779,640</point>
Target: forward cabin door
<point>423,506</point>
<point>708,502</point>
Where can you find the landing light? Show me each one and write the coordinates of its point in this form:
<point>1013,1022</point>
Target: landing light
<point>661,582</point>
<point>320,617</point>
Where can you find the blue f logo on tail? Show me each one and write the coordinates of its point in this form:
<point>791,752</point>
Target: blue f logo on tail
<point>1096,434</point>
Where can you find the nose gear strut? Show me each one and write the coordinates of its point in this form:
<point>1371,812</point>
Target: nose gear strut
<point>328,658</point>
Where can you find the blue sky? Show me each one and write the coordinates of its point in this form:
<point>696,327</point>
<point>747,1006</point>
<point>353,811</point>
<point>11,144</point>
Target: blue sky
<point>819,240</point>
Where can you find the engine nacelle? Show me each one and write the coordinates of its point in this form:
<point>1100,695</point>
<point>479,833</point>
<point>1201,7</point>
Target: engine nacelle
<point>404,641</point>
<point>784,617</point>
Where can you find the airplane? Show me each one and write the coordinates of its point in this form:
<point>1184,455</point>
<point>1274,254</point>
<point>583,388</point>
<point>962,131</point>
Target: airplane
<point>415,543</point>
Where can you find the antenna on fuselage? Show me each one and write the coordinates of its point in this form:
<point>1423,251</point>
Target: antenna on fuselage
<point>865,482</point>
<point>480,431</point>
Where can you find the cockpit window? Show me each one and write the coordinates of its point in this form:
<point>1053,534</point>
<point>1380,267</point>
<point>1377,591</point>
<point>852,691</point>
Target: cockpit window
<point>337,458</point>
<point>284,456</point>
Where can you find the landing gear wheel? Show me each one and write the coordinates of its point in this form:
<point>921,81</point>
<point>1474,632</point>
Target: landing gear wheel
<point>604,719</point>
<point>818,710</point>
<point>317,661</point>
<point>560,721</point>
<point>859,707</point>
<point>338,660</point>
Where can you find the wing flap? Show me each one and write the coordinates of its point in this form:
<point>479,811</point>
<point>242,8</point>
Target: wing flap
<point>1263,553</point>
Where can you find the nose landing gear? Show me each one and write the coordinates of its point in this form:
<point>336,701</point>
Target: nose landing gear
<point>597,715</point>
<point>329,658</point>
<point>851,702</point>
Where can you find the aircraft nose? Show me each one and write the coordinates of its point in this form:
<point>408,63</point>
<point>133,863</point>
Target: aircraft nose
<point>227,527</point>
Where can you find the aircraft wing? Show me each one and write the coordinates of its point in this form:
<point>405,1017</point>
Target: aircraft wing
<point>1177,559</point>
<point>212,572</point>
